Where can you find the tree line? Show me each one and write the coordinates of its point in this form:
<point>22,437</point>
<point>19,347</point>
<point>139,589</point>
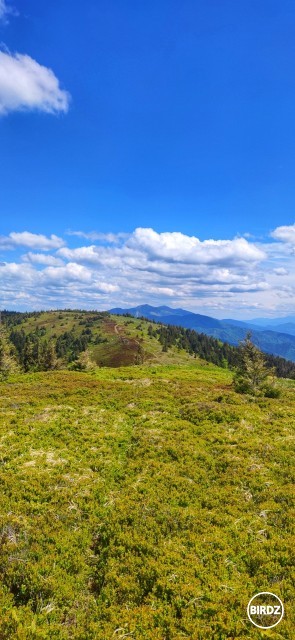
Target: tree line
<point>36,353</point>
<point>213,350</point>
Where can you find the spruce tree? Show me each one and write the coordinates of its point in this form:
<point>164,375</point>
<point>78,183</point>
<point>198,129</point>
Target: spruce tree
<point>29,358</point>
<point>48,356</point>
<point>252,374</point>
<point>8,362</point>
<point>140,355</point>
<point>84,362</point>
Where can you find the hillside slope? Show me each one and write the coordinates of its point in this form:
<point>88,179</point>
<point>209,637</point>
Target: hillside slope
<point>57,339</point>
<point>143,502</point>
<point>270,341</point>
<point>112,340</point>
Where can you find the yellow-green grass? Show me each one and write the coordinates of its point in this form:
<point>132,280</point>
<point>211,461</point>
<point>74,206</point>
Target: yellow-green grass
<point>146,502</point>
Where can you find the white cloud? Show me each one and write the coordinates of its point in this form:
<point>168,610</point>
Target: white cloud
<point>172,265</point>
<point>285,233</point>
<point>88,255</point>
<point>281,271</point>
<point>69,273</point>
<point>105,287</point>
<point>26,85</point>
<point>177,247</point>
<point>170,254</point>
<point>5,243</point>
<point>31,240</point>
<point>145,266</point>
<point>41,258</point>
<point>14,272</point>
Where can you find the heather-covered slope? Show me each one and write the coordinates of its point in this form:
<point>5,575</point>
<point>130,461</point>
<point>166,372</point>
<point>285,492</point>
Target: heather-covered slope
<point>143,502</point>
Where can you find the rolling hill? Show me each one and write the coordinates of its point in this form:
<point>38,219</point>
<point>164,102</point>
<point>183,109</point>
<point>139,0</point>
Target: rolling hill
<point>79,339</point>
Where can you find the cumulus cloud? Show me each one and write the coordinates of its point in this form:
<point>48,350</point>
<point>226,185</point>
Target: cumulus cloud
<point>146,266</point>
<point>41,258</point>
<point>172,254</point>
<point>172,265</point>
<point>69,273</point>
<point>88,255</point>
<point>31,240</point>
<point>13,272</point>
<point>5,243</point>
<point>177,247</point>
<point>26,85</point>
<point>285,233</point>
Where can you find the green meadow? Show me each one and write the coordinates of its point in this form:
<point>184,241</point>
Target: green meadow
<point>145,502</point>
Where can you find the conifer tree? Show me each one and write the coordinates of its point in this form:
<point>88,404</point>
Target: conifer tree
<point>29,357</point>
<point>8,363</point>
<point>252,374</point>
<point>140,355</point>
<point>48,356</point>
<point>83,362</point>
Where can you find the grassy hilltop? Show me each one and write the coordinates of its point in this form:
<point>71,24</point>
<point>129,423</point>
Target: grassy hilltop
<point>147,502</point>
<point>112,340</point>
<point>57,339</point>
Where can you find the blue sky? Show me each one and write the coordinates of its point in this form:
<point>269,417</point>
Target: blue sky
<point>171,123</point>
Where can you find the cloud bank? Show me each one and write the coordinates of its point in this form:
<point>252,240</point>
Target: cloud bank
<point>26,85</point>
<point>218,277</point>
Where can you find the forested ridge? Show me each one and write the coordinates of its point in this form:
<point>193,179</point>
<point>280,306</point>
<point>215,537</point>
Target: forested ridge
<point>42,341</point>
<point>213,350</point>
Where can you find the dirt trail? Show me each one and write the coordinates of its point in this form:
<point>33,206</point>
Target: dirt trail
<point>124,339</point>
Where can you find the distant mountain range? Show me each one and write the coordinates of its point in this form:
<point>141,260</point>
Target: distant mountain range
<point>276,335</point>
<point>273,322</point>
